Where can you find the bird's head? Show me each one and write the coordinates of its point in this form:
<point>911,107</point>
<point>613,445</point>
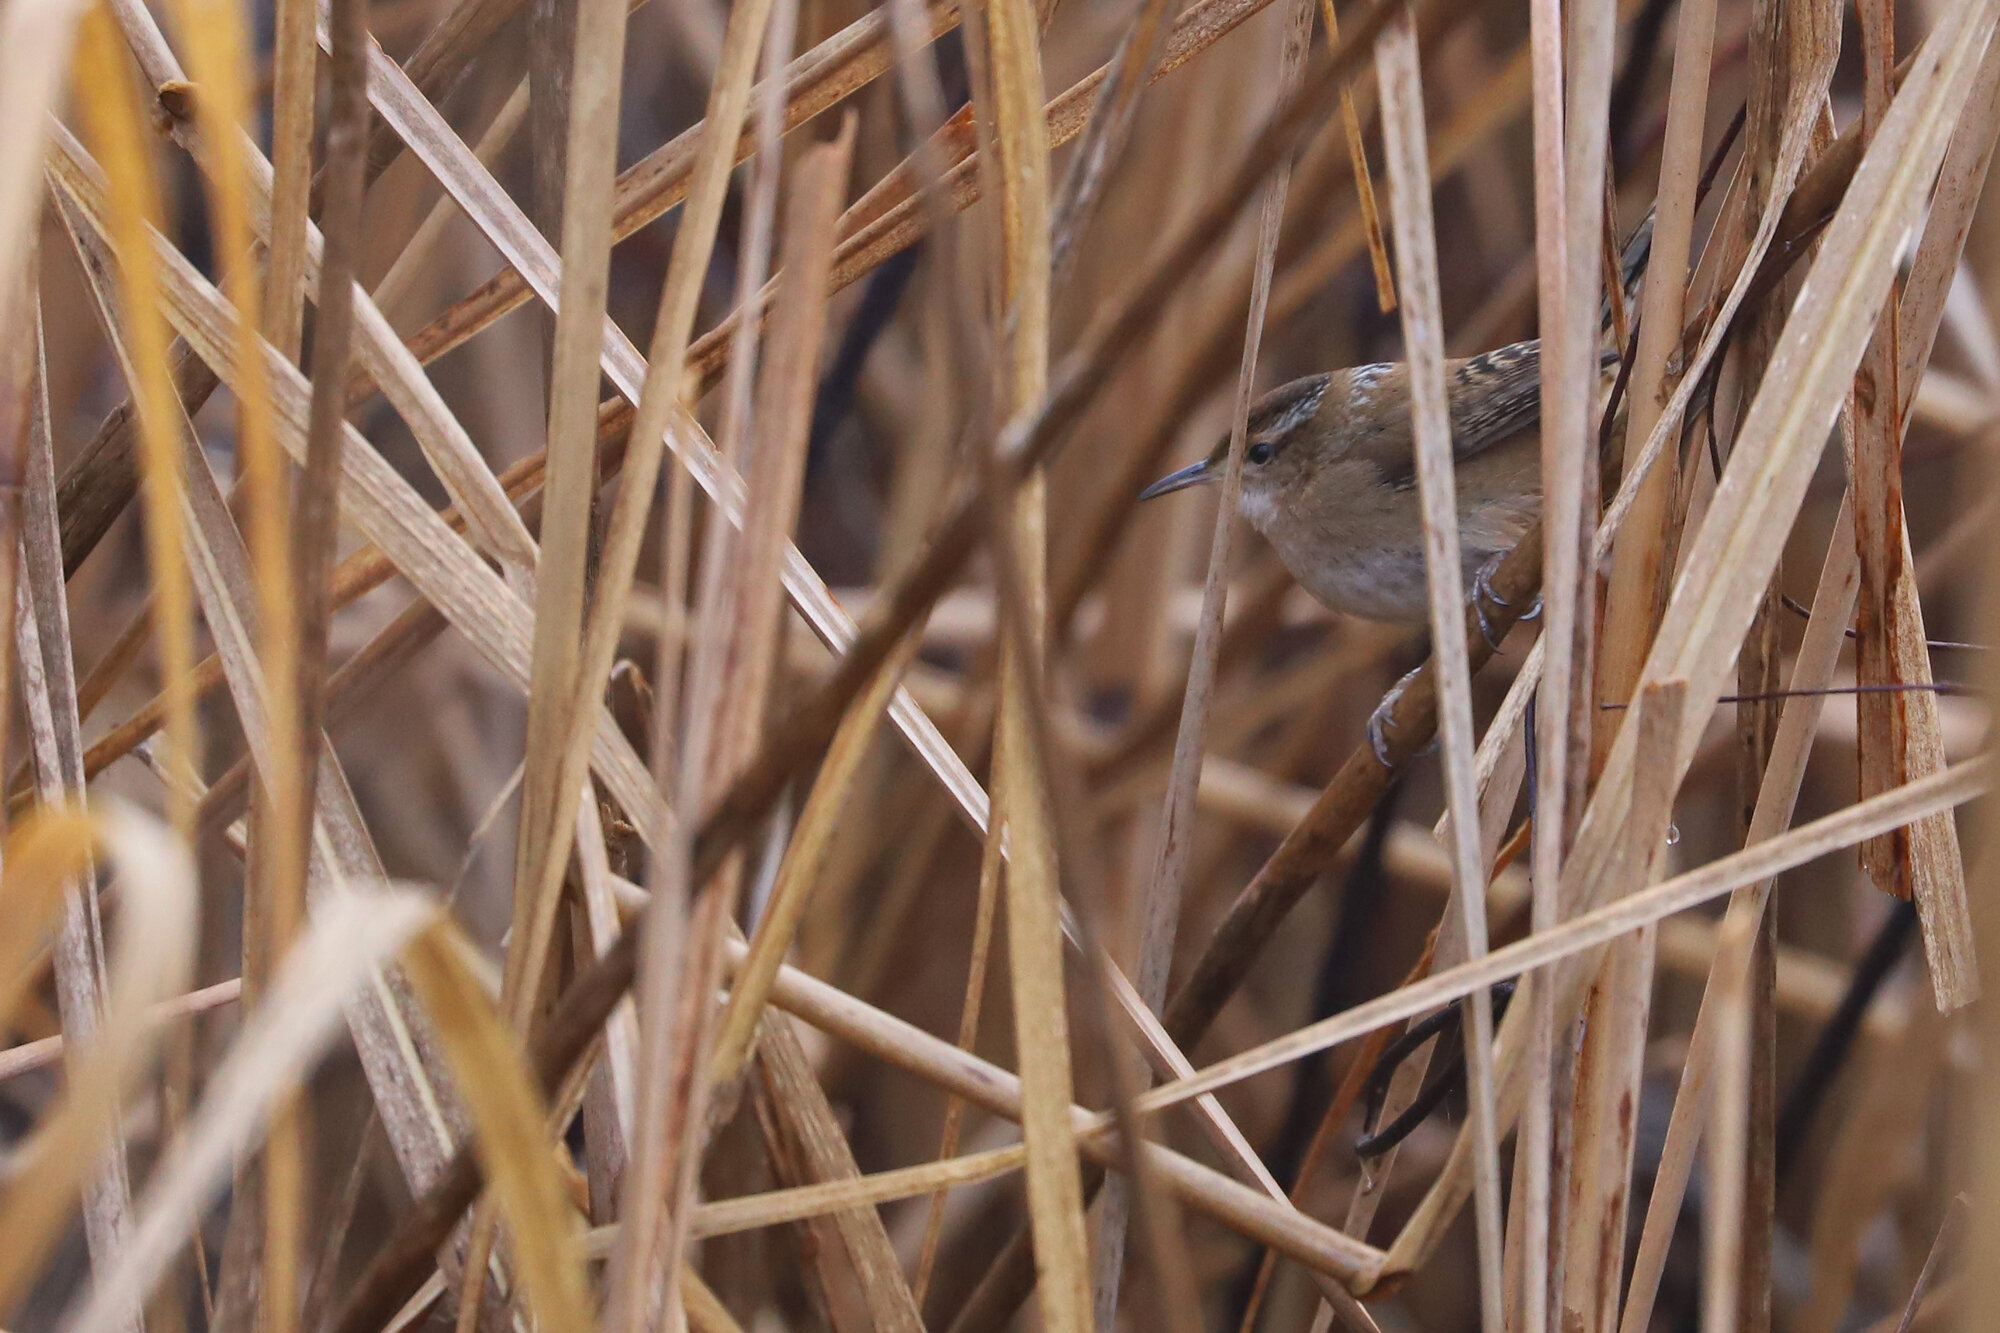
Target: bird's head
<point>1285,443</point>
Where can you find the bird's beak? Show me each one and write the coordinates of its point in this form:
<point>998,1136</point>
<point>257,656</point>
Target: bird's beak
<point>1192,475</point>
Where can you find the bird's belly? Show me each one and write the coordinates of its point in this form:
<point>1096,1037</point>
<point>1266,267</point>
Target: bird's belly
<point>1361,551</point>
<point>1381,583</point>
<point>1385,583</point>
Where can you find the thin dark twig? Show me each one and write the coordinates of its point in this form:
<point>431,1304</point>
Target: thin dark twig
<point>1361,901</point>
<point>1792,604</point>
<point>881,297</point>
<point>1447,1075</point>
<point>1836,1039</point>
<point>1947,687</point>
<point>1643,46</point>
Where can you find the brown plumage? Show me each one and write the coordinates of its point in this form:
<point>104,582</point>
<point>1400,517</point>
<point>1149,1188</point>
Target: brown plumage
<point>1329,476</point>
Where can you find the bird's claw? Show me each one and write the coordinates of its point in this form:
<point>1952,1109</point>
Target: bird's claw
<point>1378,733</point>
<point>1381,720</point>
<point>1483,594</point>
<point>1485,625</point>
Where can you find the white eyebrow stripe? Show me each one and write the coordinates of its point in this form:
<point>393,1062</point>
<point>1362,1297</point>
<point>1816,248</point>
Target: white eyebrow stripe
<point>1295,412</point>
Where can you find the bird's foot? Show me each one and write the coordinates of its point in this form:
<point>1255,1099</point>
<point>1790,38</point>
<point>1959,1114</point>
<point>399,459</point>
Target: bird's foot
<point>1381,721</point>
<point>1483,595</point>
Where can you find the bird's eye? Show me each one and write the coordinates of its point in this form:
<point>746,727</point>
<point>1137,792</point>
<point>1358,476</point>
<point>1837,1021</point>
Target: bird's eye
<point>1260,452</point>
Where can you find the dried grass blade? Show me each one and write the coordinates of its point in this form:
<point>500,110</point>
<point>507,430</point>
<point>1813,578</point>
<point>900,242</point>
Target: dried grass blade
<point>1545,41</point>
<point>1125,76</point>
<point>553,771</point>
<point>1364,182</point>
<point>35,45</point>
<point>384,506</point>
<point>294,102</point>
<point>1423,338</point>
<point>1875,469</point>
<point>154,954</point>
<point>1034,933</point>
<point>352,935</point>
<point>292,567</point>
<point>32,1055</point>
<point>132,205</point>
<point>802,1106</point>
<point>48,689</point>
<point>1937,867</point>
<point>726,1216</point>
<point>979,956</point>
<point>1610,1063</point>
<point>508,1127</point>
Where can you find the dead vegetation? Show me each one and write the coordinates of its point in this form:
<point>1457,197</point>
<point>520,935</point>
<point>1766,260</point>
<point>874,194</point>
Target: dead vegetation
<point>941,894</point>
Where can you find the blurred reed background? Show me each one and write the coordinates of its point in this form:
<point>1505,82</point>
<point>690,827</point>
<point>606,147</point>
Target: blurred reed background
<point>420,782</point>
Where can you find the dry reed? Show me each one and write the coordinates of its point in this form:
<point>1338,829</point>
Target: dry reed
<point>630,913</point>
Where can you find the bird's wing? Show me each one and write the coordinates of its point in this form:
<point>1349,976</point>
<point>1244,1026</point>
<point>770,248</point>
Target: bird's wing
<point>1494,395</point>
<point>1491,396</point>
<point>1498,394</point>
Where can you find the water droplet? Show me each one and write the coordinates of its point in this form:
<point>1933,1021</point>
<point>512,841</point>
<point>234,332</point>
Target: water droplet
<point>1673,835</point>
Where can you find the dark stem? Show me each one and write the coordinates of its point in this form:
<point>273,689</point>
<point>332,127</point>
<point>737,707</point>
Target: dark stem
<point>1836,1040</point>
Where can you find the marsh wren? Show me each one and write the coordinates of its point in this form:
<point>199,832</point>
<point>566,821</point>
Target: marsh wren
<point>1329,476</point>
<point>1330,479</point>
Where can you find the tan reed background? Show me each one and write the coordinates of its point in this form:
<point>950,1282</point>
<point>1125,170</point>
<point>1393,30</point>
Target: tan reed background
<point>596,738</point>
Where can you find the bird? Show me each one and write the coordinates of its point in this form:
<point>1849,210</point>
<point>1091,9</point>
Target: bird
<point>1329,477</point>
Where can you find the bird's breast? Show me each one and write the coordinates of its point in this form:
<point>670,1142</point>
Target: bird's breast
<point>1361,552</point>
